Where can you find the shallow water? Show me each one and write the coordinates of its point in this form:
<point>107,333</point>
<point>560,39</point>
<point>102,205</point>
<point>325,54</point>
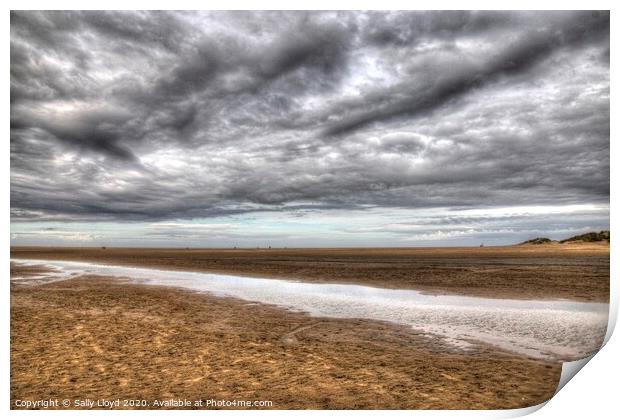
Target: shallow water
<point>549,329</point>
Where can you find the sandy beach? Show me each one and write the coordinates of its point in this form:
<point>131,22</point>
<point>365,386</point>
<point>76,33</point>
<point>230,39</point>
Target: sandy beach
<point>102,338</point>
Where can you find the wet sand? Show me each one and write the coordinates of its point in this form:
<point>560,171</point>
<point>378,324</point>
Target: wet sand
<point>576,271</point>
<point>102,338</point>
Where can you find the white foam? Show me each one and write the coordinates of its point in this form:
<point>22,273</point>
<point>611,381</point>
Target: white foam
<point>553,329</point>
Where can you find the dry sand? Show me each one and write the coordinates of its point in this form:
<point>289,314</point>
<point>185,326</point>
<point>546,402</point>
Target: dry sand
<point>100,338</point>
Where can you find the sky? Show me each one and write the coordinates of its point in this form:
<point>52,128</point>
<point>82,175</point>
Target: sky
<point>307,129</point>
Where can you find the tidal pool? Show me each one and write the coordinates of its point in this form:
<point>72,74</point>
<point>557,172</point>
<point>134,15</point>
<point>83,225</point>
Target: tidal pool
<point>550,329</point>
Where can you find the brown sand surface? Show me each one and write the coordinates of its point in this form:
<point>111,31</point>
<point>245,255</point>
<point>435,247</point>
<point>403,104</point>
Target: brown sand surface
<point>100,338</point>
<point>578,271</point>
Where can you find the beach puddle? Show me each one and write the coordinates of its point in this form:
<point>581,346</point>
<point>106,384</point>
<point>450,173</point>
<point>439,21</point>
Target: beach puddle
<point>549,329</point>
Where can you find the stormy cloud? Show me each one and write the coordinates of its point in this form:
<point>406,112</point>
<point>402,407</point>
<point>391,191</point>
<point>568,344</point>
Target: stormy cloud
<point>154,122</point>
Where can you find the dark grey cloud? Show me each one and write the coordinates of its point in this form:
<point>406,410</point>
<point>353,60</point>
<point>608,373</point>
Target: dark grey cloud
<point>517,58</point>
<point>140,116</point>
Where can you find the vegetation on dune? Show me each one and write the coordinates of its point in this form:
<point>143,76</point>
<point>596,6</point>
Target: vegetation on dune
<point>603,235</point>
<point>538,241</point>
